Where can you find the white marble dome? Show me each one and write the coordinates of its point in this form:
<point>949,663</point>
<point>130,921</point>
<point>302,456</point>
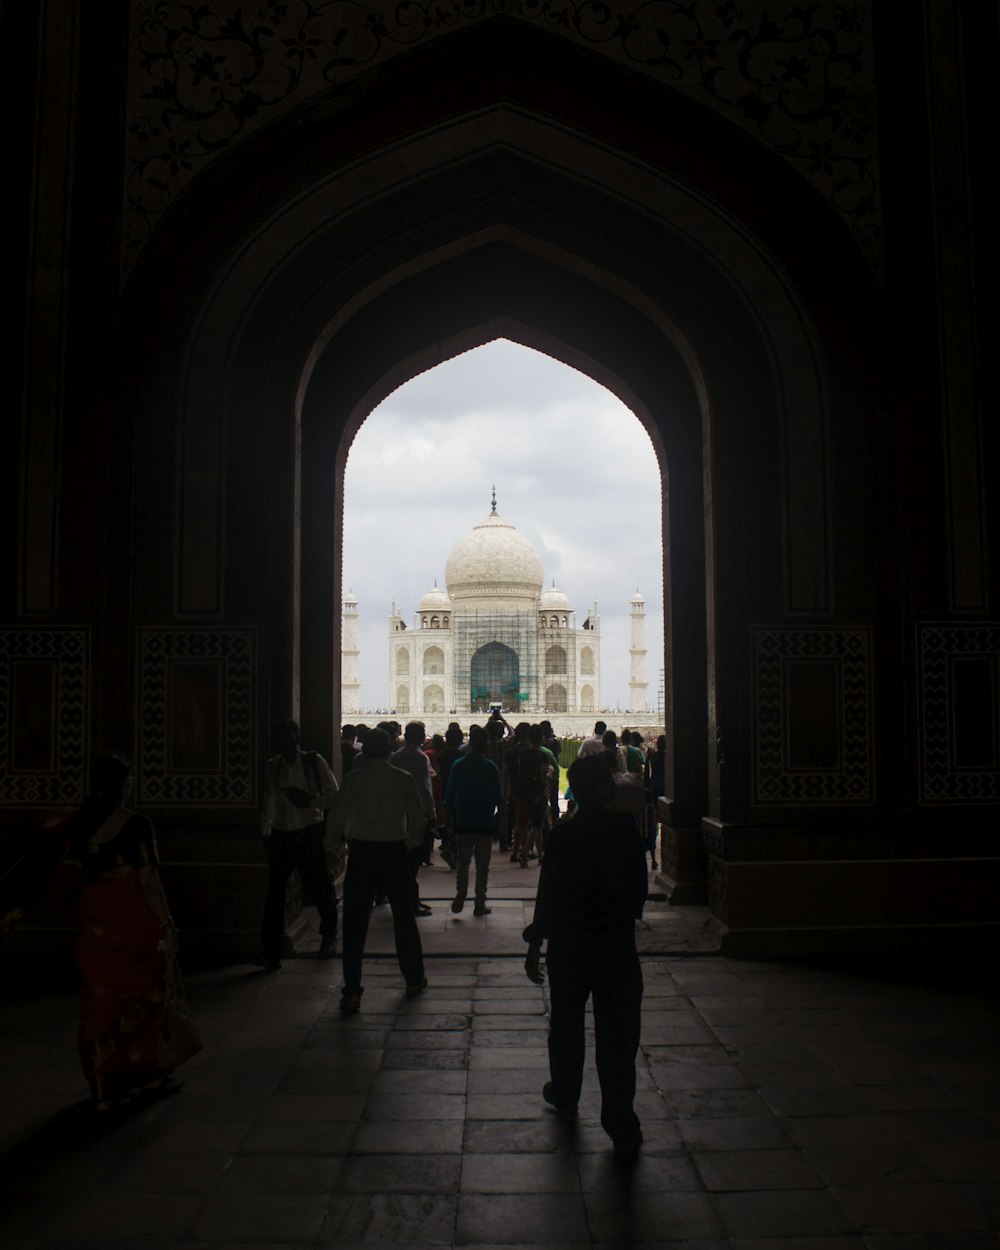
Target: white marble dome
<point>554,601</point>
<point>494,564</point>
<point>435,601</point>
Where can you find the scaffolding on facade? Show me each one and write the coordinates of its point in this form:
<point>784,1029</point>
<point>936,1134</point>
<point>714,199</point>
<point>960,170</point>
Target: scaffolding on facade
<point>496,660</point>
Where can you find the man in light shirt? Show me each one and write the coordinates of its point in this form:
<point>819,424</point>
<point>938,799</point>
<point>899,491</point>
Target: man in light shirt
<point>381,815</point>
<point>411,759</point>
<point>298,789</point>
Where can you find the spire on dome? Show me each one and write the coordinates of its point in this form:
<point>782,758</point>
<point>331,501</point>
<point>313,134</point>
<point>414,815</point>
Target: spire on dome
<point>494,501</point>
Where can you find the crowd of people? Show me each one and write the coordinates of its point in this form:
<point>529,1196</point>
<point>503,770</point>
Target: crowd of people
<point>402,794</point>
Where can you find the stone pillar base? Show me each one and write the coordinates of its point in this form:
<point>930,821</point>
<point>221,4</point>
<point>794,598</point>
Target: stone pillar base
<point>683,863</point>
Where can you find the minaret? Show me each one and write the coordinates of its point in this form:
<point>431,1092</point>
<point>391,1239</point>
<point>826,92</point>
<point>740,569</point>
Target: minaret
<point>350,686</point>
<point>637,684</point>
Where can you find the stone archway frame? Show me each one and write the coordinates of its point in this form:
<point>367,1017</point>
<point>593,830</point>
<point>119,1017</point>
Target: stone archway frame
<point>686,220</point>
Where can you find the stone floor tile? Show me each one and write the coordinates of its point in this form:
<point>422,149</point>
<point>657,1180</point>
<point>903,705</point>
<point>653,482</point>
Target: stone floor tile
<point>660,1137</point>
<point>508,1007</point>
<point>285,1173</point>
<point>110,1216</point>
<point>799,1243</point>
<point>650,1216</point>
<point>962,1161</point>
<point>498,1020</point>
<point>401,1081</point>
<point>781,1213</point>
<point>744,1133</point>
<point>716,1104</point>
<point>493,1058</point>
<point>886,1163</point>
<point>196,1172</point>
<point>401,1174</point>
<point>333,1039</point>
<point>408,1137</point>
<point>914,1098</point>
<point>171,1136</point>
<point>493,1038</point>
<point>426,1061</point>
<point>811,1102</point>
<point>922,1126</point>
<point>520,1136</point>
<point>660,1172</point>
<point>299,1137</point>
<point>554,1172</point>
<point>428,1039</point>
<point>398,1219</point>
<point>834,1131</point>
<point>881,1209</point>
<point>403,1107</point>
<point>733,1170</point>
<point>321,1107</point>
<point>332,1079</point>
<point>507,1080</point>
<point>256,1218</point>
<point>213,1109</point>
<point>984,1198</point>
<point>437,1022</point>
<point>698,1076</point>
<point>808,1075</point>
<point>506,1219</point>
<point>933,1241</point>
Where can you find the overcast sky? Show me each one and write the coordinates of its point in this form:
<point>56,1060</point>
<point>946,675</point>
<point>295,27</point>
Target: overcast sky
<point>574,477</point>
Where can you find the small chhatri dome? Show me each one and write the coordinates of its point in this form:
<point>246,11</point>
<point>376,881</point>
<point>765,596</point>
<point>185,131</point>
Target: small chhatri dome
<point>351,597</point>
<point>435,601</point>
<point>494,564</point>
<point>554,600</point>
<point>637,598</point>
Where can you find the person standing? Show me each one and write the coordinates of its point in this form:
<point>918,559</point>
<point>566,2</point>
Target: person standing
<point>298,789</point>
<point>472,800</point>
<point>382,816</point>
<point>135,1027</point>
<point>412,759</point>
<point>590,892</point>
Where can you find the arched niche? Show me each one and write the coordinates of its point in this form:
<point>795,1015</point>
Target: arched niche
<point>620,231</point>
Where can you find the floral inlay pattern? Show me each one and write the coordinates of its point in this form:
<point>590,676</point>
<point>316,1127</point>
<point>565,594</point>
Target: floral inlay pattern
<point>798,76</point>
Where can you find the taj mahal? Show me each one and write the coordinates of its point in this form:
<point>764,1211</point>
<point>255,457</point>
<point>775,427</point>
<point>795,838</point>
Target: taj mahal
<point>494,637</point>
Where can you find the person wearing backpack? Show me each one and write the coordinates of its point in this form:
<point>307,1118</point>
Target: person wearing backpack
<point>298,789</point>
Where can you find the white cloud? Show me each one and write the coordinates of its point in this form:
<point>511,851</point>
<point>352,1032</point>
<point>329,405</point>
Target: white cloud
<point>574,471</point>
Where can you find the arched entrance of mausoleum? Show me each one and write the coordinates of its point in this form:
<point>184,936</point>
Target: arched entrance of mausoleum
<point>631,249</point>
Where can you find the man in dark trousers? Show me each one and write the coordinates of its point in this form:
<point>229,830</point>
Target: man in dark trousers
<point>298,789</point>
<point>471,800</point>
<point>381,815</point>
<point>590,893</point>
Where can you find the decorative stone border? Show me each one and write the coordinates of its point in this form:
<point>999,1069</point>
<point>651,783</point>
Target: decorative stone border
<point>850,779</point>
<point>67,651</point>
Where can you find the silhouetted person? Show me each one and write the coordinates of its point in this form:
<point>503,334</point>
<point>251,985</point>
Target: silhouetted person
<point>411,759</point>
<point>591,890</point>
<point>381,815</point>
<point>472,799</point>
<point>298,789</point>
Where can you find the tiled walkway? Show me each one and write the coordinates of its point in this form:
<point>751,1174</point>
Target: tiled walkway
<point>783,1106</point>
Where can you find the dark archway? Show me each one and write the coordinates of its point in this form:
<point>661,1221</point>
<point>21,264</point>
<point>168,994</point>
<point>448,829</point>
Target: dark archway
<point>626,238</point>
<point>495,677</point>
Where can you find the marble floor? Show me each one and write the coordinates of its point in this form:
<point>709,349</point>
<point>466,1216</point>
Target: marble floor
<point>783,1106</point>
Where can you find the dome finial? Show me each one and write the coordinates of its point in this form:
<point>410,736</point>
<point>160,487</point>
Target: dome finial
<point>493,510</point>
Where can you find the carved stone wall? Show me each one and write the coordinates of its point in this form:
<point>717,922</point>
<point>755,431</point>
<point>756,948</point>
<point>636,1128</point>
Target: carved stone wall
<point>813,717</point>
<point>44,715</point>
<point>799,77</point>
<point>195,717</point>
<point>959,700</point>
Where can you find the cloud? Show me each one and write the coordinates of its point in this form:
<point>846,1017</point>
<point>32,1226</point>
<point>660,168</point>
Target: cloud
<point>574,471</point>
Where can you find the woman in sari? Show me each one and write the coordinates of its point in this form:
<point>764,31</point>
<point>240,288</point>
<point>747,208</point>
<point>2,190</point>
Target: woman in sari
<point>135,1027</point>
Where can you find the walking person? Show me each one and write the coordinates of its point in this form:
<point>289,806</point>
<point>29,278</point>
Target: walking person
<point>590,892</point>
<point>472,800</point>
<point>381,815</point>
<point>298,789</point>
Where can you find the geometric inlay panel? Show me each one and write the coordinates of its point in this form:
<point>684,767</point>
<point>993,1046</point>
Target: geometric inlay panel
<point>44,710</point>
<point>813,716</point>
<point>195,716</point>
<point>959,700</point>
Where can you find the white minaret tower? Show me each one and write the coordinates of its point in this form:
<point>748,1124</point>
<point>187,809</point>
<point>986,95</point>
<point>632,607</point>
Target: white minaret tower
<point>637,684</point>
<point>350,686</point>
